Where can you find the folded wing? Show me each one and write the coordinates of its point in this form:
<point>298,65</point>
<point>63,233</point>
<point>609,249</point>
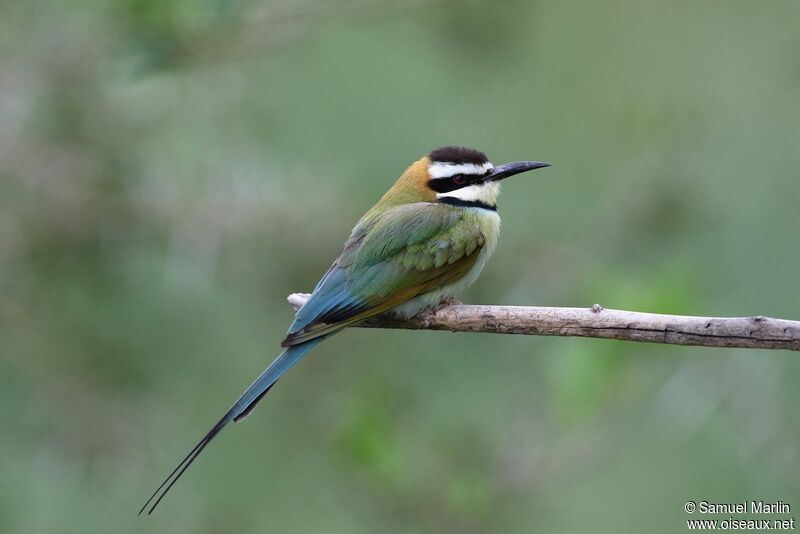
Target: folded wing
<point>407,251</point>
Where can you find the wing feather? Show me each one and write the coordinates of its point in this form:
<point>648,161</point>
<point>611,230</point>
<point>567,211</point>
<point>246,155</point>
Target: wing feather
<point>409,250</point>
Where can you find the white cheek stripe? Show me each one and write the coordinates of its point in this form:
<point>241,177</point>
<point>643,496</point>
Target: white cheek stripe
<point>439,169</point>
<point>486,193</point>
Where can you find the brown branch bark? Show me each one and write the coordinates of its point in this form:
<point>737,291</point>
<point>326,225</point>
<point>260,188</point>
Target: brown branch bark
<point>755,332</point>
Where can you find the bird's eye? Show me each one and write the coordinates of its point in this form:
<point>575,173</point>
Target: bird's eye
<point>459,179</point>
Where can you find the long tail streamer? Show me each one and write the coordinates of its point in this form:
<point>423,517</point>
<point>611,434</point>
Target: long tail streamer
<point>237,412</point>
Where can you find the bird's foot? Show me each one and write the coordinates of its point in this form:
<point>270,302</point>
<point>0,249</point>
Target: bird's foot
<point>447,301</point>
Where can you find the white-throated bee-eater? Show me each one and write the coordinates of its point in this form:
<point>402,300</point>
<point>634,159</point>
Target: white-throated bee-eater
<point>425,240</point>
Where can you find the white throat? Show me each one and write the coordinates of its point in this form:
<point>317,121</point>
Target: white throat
<point>485,193</point>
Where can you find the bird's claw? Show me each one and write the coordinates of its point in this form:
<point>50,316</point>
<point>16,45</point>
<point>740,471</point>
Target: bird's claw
<point>447,301</point>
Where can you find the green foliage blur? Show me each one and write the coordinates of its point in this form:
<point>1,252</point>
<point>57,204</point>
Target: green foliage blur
<point>170,170</point>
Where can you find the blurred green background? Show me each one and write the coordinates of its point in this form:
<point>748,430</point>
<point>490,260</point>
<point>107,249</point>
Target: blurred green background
<point>170,170</point>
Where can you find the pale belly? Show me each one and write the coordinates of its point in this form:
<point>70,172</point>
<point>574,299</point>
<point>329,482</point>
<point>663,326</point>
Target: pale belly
<point>490,221</point>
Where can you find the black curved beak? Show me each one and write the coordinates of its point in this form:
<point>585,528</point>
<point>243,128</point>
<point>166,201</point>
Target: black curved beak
<point>510,169</point>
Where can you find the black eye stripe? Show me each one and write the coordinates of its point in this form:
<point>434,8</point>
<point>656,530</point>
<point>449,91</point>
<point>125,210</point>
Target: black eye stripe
<point>443,185</point>
<point>451,183</point>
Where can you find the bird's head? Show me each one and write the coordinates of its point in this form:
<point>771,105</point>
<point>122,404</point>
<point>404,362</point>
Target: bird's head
<point>456,175</point>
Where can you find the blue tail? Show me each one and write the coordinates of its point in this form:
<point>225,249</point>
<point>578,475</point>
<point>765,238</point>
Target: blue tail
<point>237,412</point>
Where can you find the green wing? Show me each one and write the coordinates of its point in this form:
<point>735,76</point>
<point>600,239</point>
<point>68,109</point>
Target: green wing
<point>407,251</point>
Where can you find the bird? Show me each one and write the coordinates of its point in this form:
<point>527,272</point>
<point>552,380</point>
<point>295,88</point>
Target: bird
<point>426,239</point>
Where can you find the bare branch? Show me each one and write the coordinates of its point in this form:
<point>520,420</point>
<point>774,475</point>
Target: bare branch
<point>755,332</point>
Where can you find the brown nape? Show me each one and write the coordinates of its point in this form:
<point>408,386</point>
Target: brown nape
<point>458,154</point>
<point>412,186</point>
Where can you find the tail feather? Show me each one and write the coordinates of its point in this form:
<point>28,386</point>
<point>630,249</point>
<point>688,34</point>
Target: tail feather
<point>237,412</point>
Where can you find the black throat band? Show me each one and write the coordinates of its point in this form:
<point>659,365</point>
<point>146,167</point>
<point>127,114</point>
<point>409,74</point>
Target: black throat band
<point>453,201</point>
